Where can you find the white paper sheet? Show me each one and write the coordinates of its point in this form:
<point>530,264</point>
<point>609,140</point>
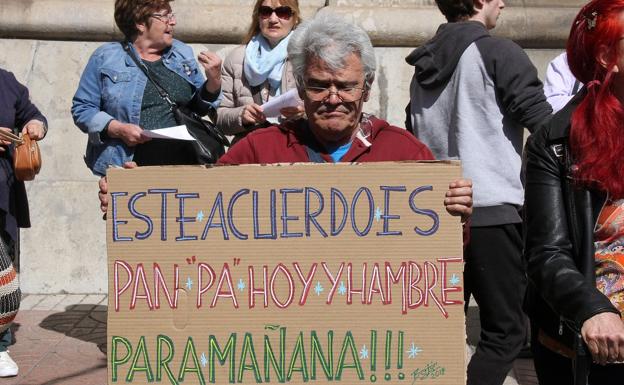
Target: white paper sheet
<point>176,132</point>
<point>272,108</point>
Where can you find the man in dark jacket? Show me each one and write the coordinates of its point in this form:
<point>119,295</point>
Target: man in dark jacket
<point>471,96</point>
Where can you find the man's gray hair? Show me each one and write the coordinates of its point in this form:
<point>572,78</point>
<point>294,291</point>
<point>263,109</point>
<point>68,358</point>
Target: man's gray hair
<point>330,39</point>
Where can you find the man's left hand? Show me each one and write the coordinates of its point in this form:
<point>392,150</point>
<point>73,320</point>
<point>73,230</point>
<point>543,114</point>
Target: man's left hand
<point>458,201</point>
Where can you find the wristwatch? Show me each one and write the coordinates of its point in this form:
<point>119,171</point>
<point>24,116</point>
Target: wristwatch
<point>104,133</point>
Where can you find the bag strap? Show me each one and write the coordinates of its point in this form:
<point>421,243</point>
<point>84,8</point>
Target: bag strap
<point>576,87</point>
<point>11,137</point>
<point>161,91</point>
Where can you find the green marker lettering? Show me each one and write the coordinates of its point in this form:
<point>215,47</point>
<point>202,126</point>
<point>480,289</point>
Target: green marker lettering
<point>164,362</point>
<point>317,351</point>
<point>140,352</point>
<point>269,357</point>
<point>222,355</point>
<point>298,352</point>
<point>189,352</point>
<point>248,349</point>
<point>115,362</point>
<point>349,344</point>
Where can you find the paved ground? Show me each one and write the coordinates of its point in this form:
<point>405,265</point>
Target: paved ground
<point>61,340</point>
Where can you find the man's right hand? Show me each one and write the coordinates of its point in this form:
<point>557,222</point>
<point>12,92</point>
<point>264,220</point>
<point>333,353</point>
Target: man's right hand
<point>604,335</point>
<point>129,133</point>
<point>103,193</point>
<point>252,114</point>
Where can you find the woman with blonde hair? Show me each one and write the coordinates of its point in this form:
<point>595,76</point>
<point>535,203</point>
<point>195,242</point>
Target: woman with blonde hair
<point>259,70</point>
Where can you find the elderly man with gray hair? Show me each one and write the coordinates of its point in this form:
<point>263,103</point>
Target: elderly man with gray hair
<point>334,67</point>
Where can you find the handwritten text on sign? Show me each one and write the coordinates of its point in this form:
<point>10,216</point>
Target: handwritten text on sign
<point>284,274</point>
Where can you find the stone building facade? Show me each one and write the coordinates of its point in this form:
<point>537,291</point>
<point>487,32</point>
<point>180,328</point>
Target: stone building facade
<point>47,43</point>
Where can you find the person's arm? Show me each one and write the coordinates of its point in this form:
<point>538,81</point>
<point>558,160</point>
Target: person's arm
<point>548,247</point>
<point>27,116</point>
<point>86,103</point>
<point>229,114</point>
<point>559,83</point>
<point>208,94</point>
<point>408,118</point>
<point>518,88</point>
<point>88,116</point>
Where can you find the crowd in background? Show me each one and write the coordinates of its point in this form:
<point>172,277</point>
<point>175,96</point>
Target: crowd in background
<point>544,240</point>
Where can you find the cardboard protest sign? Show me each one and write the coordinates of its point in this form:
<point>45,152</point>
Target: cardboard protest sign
<point>308,273</point>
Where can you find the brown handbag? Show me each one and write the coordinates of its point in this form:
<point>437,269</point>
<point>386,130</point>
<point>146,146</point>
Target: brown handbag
<point>26,156</point>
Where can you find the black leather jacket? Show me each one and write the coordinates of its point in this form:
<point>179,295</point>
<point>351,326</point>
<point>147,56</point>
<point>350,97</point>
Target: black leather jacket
<point>559,241</point>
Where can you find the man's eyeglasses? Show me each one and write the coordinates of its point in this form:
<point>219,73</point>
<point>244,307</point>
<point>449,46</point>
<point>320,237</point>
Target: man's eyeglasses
<point>283,12</point>
<point>346,94</point>
<point>166,18</point>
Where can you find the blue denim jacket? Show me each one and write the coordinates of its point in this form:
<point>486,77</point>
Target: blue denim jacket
<point>112,86</point>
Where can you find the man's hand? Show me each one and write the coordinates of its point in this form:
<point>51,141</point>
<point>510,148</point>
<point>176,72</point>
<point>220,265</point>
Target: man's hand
<point>103,193</point>
<point>604,335</point>
<point>35,129</point>
<point>458,201</point>
<point>212,67</point>
<point>252,114</point>
<point>129,133</point>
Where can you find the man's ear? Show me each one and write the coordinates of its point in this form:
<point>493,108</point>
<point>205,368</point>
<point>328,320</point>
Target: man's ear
<point>603,58</point>
<point>478,4</point>
<point>141,27</point>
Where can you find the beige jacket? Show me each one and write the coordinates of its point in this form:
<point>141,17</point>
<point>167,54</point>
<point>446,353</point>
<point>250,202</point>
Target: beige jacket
<point>237,92</point>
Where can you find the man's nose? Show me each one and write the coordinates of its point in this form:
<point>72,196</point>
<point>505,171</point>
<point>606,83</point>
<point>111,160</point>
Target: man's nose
<point>333,98</point>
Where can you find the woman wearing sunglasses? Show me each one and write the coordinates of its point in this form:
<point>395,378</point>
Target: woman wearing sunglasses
<point>115,100</point>
<point>259,70</point>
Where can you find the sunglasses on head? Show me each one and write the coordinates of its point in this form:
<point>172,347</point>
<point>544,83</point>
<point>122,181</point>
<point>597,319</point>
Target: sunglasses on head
<point>283,12</point>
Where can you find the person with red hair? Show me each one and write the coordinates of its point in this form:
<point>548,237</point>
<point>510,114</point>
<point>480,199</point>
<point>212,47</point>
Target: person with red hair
<point>574,204</point>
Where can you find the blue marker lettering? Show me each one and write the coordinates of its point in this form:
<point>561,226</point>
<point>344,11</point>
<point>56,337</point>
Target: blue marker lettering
<point>429,213</point>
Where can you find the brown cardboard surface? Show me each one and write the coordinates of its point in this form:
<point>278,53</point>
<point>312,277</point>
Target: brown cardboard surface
<point>218,275</point>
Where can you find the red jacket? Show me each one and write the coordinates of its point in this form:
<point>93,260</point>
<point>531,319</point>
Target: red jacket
<point>287,144</point>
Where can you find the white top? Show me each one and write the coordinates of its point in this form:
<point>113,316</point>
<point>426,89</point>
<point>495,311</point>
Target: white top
<point>559,84</point>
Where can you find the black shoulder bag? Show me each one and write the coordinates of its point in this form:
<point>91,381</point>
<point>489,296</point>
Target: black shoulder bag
<point>210,142</point>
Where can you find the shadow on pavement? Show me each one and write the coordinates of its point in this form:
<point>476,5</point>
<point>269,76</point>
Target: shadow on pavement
<point>84,322</point>
<point>64,379</point>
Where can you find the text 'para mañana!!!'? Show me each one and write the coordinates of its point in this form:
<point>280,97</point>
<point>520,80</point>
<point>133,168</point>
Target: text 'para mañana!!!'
<point>328,213</point>
<point>264,358</point>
